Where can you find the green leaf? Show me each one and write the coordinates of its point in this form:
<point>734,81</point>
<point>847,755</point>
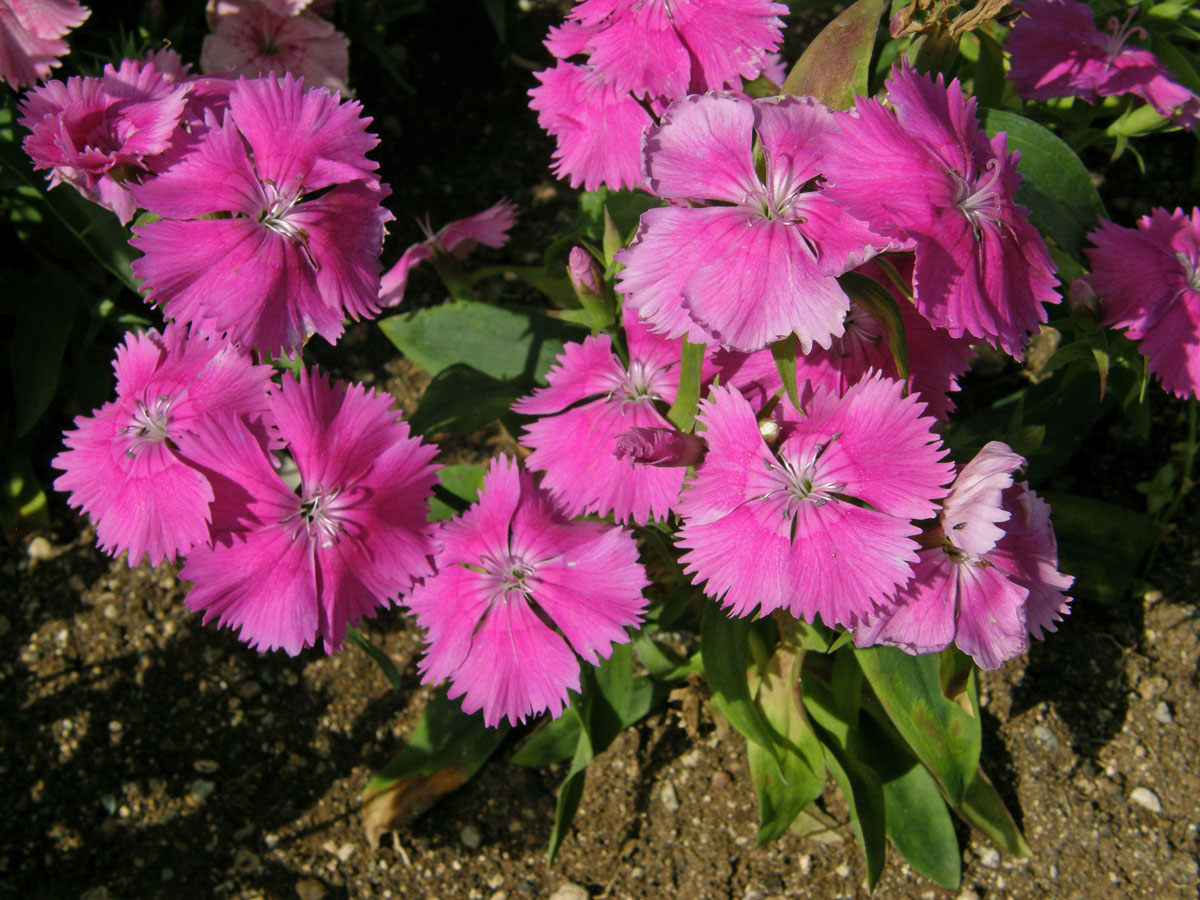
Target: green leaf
<point>942,735</point>
<point>1057,189</point>
<point>682,413</point>
<point>381,659</point>
<point>983,808</point>
<point>461,399</point>
<point>463,481</point>
<point>918,821</point>
<point>661,661</point>
<point>570,792</point>
<point>554,741</point>
<point>509,343</point>
<point>23,505</point>
<point>881,306</point>
<point>49,305</point>
<point>1100,543</point>
<point>834,68</point>
<point>495,12</point>
<point>725,651</point>
<point>789,777</point>
<point>784,353</point>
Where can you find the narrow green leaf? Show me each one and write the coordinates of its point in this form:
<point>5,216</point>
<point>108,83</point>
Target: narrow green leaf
<point>461,399</point>
<point>462,483</point>
<point>724,647</point>
<point>50,304</point>
<point>942,735</point>
<point>570,792</point>
<point>612,241</point>
<point>834,67</point>
<point>495,12</point>
<point>661,661</point>
<point>381,659</point>
<point>983,808</point>
<point>1057,188</point>
<point>880,306</point>
<point>509,343</point>
<point>23,504</point>
<point>784,353</point>
<point>683,411</point>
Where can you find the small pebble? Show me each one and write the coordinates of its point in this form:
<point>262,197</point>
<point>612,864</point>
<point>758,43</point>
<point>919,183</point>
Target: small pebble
<point>346,851</point>
<point>495,882</point>
<point>1046,738</point>
<point>842,871</point>
<point>310,889</point>
<point>720,780</point>
<point>1151,687</point>
<point>470,837</point>
<point>670,800</point>
<point>990,857</point>
<point>202,789</point>
<point>1147,799</point>
<point>40,549</point>
<point>570,891</point>
<point>1162,713</point>
<point>205,766</point>
<point>967,894</point>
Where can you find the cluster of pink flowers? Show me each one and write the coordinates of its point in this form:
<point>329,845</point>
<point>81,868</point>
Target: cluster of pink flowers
<point>31,37</point>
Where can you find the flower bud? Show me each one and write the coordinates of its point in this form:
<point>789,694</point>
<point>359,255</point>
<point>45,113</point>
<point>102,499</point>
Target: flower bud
<point>659,447</point>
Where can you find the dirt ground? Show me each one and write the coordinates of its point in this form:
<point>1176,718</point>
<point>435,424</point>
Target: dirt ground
<point>145,756</point>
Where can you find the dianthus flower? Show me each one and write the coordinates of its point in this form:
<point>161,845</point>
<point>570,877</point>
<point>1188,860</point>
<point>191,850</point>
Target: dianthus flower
<point>287,567</point>
<point>101,135</point>
<point>988,576</point>
<point>592,398</point>
<point>667,48</point>
<point>460,237</point>
<point>1057,51</point>
<point>927,175</point>
<point>1149,280</point>
<point>31,37</point>
<point>520,593</point>
<point>818,521</point>
<point>249,239</point>
<point>122,464</point>
<point>252,38</point>
<point>762,263</point>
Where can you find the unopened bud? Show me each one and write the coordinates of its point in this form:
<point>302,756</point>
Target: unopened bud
<point>584,274</point>
<point>1081,296</point>
<point>659,447</point>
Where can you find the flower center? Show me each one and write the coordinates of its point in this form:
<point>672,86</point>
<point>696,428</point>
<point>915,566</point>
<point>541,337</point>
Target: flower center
<point>275,216</point>
<point>979,202</point>
<point>148,425</point>
<point>1191,268</point>
<point>794,481</point>
<point>509,574</point>
<point>638,385</point>
<point>1121,32</point>
<point>324,514</point>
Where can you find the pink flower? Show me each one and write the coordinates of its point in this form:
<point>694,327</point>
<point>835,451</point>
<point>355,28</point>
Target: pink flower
<point>287,259</point>
<point>928,175</point>
<point>989,575</point>
<point>764,262</point>
<point>1148,279</point>
<point>598,129</point>
<point>460,237</point>
<point>252,38</point>
<point>592,398</point>
<point>667,48</point>
<point>122,465</point>
<point>818,520</point>
<point>102,134</point>
<point>31,33</point>
<point>1057,51</point>
<point>519,593</point>
<point>286,566</point>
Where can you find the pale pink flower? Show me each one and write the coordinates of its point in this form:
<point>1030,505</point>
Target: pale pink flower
<point>122,464</point>
<point>591,399</point>
<point>1057,51</point>
<point>101,135</point>
<point>928,176</point>
<point>817,521</point>
<point>598,129</point>
<point>460,237</point>
<point>520,593</point>
<point>760,263</point>
<point>287,567</point>
<point>252,38</point>
<point>667,48</point>
<point>31,37</point>
<point>1148,279</point>
<point>288,258</point>
<point>988,576</point>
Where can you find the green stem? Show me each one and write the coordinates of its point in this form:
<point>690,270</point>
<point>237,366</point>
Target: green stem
<point>683,411</point>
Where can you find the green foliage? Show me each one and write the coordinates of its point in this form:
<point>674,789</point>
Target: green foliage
<point>834,68</point>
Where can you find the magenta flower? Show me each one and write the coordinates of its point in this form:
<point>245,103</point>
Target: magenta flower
<point>287,567</point>
<point>1057,51</point>
<point>122,465</point>
<point>1148,279</point>
<point>460,237</point>
<point>988,576</point>
<point>102,134</point>
<point>667,48</point>
<point>927,175</point>
<point>818,520</point>
<point>252,38</point>
<point>598,129</point>
<point>283,258</point>
<point>591,399</point>
<point>520,593</point>
<point>31,37</point>
<point>763,261</point>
